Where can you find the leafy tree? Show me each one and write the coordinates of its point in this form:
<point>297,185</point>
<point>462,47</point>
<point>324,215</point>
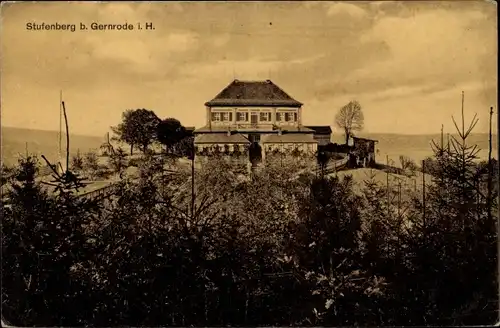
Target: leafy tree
<point>118,160</point>
<point>138,127</point>
<point>350,118</point>
<point>169,132</point>
<point>326,253</point>
<point>124,131</point>
<point>186,146</point>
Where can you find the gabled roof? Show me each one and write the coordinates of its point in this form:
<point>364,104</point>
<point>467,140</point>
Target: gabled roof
<point>320,129</point>
<point>253,93</point>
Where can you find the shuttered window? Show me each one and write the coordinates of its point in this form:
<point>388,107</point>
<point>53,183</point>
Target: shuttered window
<point>216,117</point>
<point>265,117</point>
<point>295,117</point>
<point>240,117</point>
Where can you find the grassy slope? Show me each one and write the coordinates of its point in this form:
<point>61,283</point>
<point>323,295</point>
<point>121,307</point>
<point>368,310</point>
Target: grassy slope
<point>379,176</point>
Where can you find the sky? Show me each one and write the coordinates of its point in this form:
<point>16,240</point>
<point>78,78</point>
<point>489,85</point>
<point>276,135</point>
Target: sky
<point>407,63</point>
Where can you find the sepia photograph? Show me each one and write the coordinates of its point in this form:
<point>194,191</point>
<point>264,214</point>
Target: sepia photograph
<point>249,163</point>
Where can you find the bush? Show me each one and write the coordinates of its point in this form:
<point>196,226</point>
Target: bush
<point>118,160</point>
<point>408,165</point>
<point>91,165</point>
<point>77,162</point>
<point>136,162</point>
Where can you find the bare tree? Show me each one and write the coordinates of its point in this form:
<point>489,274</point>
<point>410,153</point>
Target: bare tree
<point>350,118</point>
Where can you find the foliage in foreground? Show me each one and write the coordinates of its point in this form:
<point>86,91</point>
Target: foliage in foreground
<point>273,250</point>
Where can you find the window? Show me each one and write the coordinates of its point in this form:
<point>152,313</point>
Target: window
<point>281,117</point>
<point>290,117</point>
<point>241,117</point>
<point>216,117</point>
<point>222,117</point>
<point>265,117</point>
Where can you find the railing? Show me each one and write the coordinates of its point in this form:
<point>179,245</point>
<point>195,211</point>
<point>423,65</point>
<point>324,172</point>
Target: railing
<point>100,193</point>
<point>335,165</point>
<point>110,189</point>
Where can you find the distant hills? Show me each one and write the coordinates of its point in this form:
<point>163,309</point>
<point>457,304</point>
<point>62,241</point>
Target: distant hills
<point>14,140</point>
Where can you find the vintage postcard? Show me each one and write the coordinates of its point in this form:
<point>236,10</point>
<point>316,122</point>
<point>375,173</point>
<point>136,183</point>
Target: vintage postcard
<point>272,163</point>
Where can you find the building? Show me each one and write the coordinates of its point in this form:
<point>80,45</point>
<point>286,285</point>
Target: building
<point>364,150</point>
<point>254,118</point>
<point>189,131</point>
<point>322,134</point>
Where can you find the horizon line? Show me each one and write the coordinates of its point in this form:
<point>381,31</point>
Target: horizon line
<point>333,134</point>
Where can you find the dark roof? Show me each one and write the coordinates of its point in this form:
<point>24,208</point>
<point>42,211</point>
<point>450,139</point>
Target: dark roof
<point>289,138</point>
<point>253,93</point>
<point>320,129</point>
<point>364,139</point>
<point>287,129</point>
<point>221,138</point>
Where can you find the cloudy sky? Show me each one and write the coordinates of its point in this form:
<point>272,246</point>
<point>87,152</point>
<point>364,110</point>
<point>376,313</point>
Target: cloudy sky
<point>405,62</point>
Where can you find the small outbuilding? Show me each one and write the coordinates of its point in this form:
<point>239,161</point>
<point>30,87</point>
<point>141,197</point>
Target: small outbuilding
<point>364,150</point>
